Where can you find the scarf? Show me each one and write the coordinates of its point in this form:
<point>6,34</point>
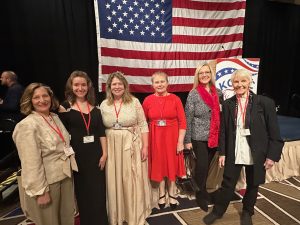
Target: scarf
<point>212,101</point>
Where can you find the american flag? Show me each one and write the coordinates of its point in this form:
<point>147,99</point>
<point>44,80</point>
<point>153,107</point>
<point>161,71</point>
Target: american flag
<point>140,37</point>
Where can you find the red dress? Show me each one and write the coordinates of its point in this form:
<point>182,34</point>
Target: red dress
<point>163,159</point>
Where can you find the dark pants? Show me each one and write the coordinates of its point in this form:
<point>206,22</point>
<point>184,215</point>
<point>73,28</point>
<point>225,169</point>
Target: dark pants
<point>204,156</point>
<point>226,192</point>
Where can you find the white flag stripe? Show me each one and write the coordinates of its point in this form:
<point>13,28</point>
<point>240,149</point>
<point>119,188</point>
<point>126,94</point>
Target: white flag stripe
<point>205,14</point>
<point>150,64</point>
<point>147,80</point>
<point>166,47</point>
<point>205,31</point>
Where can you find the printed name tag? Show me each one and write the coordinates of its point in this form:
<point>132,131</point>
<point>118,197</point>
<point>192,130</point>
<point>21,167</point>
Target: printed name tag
<point>68,151</point>
<point>117,126</point>
<point>88,139</point>
<point>161,123</point>
<point>245,132</point>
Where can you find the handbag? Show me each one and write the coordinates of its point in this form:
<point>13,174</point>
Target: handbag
<point>188,183</point>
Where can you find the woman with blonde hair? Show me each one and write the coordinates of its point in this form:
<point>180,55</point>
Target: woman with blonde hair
<point>47,159</point>
<point>202,111</point>
<point>128,186</point>
<point>84,123</point>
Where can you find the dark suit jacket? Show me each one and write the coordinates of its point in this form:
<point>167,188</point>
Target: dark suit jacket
<point>264,141</point>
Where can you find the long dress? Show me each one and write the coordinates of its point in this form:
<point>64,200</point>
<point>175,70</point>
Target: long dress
<point>89,181</point>
<point>128,187</point>
<point>163,158</point>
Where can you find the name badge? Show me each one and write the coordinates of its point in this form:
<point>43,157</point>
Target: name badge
<point>117,126</point>
<point>161,123</point>
<point>88,139</point>
<point>245,132</point>
<point>68,151</point>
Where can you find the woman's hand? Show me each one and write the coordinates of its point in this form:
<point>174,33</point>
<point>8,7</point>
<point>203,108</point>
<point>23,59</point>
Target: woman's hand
<point>180,147</point>
<point>268,164</point>
<point>221,161</point>
<point>43,200</point>
<point>188,145</point>
<point>144,153</point>
<point>102,161</point>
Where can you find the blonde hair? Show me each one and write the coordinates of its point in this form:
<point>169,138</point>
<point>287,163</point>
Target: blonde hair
<point>69,94</point>
<point>196,76</point>
<point>26,106</point>
<point>126,97</point>
<point>160,73</point>
<point>241,73</point>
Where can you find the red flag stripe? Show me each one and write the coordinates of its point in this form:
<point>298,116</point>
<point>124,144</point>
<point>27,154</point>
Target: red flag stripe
<point>129,54</point>
<point>190,22</point>
<point>210,6</point>
<point>207,39</point>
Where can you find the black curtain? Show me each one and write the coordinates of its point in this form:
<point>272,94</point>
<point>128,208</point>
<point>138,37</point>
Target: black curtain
<point>45,40</point>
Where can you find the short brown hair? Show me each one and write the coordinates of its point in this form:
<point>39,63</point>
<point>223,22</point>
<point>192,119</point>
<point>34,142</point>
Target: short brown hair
<point>127,97</point>
<point>69,94</point>
<point>26,99</point>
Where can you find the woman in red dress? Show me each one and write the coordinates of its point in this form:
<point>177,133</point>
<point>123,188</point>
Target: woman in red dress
<point>167,125</point>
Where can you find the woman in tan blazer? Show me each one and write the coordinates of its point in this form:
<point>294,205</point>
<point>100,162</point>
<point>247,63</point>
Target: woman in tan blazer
<point>47,159</point>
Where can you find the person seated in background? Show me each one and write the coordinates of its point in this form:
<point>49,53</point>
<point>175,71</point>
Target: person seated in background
<point>249,137</point>
<point>10,105</point>
<point>129,197</point>
<point>202,111</point>
<point>167,125</point>
<point>47,160</point>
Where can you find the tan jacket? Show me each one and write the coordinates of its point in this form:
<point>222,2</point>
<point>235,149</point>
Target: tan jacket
<point>41,152</point>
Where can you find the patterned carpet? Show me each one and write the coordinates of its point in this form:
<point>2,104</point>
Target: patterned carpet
<point>277,203</point>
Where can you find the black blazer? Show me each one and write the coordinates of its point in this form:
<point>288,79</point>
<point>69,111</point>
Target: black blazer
<point>264,141</point>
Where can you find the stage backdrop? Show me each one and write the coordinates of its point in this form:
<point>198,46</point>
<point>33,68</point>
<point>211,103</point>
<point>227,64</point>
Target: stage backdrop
<point>225,68</point>
<point>140,37</point>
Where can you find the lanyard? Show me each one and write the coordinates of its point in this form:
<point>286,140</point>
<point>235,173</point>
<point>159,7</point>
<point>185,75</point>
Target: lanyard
<point>161,105</point>
<point>57,130</point>
<point>87,124</point>
<point>243,111</point>
<point>118,111</point>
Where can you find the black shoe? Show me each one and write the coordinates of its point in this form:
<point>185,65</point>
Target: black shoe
<point>173,206</point>
<point>202,202</point>
<point>246,219</point>
<point>162,205</point>
<point>210,218</point>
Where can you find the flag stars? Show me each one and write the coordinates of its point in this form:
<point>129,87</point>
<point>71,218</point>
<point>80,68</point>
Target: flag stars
<point>152,34</point>
<point>113,13</point>
<point>162,34</point>
<point>131,32</point>
<point>107,6</point>
<point>147,16</point>
<point>162,1</point>
<point>147,27</point>
<point>142,21</point>
<point>124,2</point>
<point>130,8</point>
<point>135,3</point>
<point>162,23</point>
<point>152,22</point>
<point>109,29</point>
<point>113,1</point>
<point>131,20</point>
<point>162,11</point>
<point>136,15</point>
<point>146,4</point>
<point>125,25</point>
<point>120,19</point>
<point>142,10</point>
<point>157,5</point>
<point>125,14</point>
<point>157,17</point>
<point>142,33</point>
<point>119,7</point>
<point>114,25</point>
<point>120,31</point>
<point>136,27</point>
<point>152,11</point>
<point>157,28</point>
<point>109,18</point>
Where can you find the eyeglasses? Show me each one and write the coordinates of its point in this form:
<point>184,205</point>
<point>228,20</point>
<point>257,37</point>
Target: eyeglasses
<point>204,73</point>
